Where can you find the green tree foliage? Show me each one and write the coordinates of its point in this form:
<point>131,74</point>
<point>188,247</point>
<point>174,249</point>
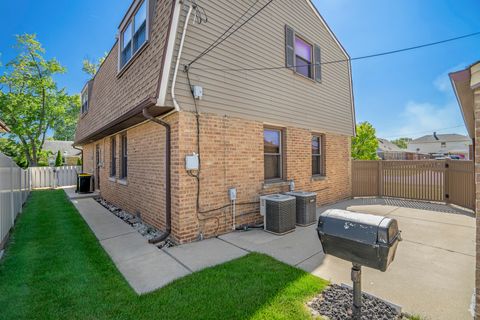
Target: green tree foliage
<point>79,162</point>
<point>31,104</point>
<point>402,143</point>
<point>59,159</point>
<point>365,144</point>
<point>91,67</point>
<point>64,128</point>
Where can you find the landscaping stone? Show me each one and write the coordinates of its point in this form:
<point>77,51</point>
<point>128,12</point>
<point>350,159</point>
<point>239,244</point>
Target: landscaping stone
<point>335,303</point>
<point>141,227</point>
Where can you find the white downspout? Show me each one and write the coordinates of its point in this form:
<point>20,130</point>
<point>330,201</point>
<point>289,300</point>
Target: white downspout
<point>175,73</point>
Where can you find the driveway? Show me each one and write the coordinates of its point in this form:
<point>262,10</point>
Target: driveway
<point>433,272</point>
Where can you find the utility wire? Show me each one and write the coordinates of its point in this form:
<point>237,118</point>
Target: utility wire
<point>226,31</point>
<point>214,45</point>
<point>347,60</point>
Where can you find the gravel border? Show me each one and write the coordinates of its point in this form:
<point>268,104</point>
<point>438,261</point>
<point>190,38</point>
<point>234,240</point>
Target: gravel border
<point>335,303</point>
<point>136,222</point>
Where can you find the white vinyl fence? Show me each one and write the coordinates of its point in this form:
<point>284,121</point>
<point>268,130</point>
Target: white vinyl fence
<point>54,177</point>
<point>14,190</point>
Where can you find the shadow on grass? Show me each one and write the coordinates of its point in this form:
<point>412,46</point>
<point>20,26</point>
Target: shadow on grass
<point>54,267</point>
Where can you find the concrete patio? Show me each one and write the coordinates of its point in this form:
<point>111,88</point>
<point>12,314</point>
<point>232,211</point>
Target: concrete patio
<point>432,275</point>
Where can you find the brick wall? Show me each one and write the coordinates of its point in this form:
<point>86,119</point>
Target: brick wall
<point>143,191</point>
<point>231,156</point>
<point>477,188</point>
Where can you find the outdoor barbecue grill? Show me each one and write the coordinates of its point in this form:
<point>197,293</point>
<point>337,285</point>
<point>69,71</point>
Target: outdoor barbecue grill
<point>363,239</point>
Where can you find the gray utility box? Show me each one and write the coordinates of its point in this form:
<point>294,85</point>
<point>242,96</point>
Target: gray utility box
<point>306,207</point>
<point>278,211</point>
<point>363,239</point>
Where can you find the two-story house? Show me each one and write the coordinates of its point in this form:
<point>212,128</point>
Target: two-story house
<point>270,103</point>
<point>442,145</point>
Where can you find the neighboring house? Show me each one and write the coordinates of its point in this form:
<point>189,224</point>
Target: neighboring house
<point>255,130</point>
<point>387,150</point>
<point>466,84</point>
<point>68,152</point>
<point>439,145</point>
<point>3,127</point>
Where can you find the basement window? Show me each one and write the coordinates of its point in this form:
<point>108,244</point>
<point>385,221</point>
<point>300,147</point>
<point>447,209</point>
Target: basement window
<point>135,34</point>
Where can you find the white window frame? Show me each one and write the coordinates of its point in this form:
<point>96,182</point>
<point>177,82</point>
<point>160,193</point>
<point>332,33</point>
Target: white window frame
<point>131,21</point>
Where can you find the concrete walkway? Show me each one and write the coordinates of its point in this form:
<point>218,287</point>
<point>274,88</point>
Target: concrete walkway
<point>432,275</point>
<point>144,266</point>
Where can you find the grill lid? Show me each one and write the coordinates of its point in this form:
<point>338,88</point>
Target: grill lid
<point>359,227</point>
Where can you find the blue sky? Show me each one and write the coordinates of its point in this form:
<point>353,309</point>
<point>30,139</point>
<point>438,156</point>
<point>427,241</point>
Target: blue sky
<point>407,94</point>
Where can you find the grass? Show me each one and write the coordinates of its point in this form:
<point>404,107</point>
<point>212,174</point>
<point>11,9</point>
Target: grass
<point>55,268</point>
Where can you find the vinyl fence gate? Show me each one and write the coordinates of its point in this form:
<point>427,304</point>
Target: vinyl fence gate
<point>48,177</point>
<point>449,181</point>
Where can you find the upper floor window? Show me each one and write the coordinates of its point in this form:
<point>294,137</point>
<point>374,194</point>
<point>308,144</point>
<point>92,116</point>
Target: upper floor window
<point>301,56</point>
<point>85,99</point>
<point>134,35</point>
<point>272,144</point>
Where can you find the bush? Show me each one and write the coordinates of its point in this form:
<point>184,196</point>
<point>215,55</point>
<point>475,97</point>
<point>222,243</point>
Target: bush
<point>59,160</point>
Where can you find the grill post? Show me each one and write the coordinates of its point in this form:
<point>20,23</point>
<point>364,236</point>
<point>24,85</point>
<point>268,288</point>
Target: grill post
<point>357,291</point>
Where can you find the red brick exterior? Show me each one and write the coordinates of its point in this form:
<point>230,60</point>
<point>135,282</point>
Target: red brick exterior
<point>231,152</point>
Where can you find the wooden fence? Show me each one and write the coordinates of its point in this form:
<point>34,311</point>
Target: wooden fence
<point>48,177</point>
<point>14,190</point>
<point>449,181</point>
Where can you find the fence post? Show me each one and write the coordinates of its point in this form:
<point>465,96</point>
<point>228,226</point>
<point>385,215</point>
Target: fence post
<point>446,182</point>
<point>380,178</point>
<point>12,203</point>
<point>20,191</point>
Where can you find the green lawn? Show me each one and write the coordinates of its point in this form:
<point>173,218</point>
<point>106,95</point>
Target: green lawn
<point>54,268</point>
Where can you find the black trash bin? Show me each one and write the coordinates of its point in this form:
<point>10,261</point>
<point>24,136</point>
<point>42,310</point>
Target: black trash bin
<point>84,183</point>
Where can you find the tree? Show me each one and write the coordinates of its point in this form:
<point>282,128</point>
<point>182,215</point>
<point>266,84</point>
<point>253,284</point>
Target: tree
<point>30,102</point>
<point>402,143</point>
<point>64,128</point>
<point>59,159</point>
<point>91,67</point>
<point>365,143</point>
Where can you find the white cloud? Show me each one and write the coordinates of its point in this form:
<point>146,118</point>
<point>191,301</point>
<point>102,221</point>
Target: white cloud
<point>421,118</point>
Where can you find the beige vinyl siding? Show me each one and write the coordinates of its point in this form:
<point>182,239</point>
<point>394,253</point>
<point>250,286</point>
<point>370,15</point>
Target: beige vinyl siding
<point>273,96</point>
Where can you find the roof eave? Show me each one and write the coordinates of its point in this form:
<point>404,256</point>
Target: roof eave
<point>461,85</point>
